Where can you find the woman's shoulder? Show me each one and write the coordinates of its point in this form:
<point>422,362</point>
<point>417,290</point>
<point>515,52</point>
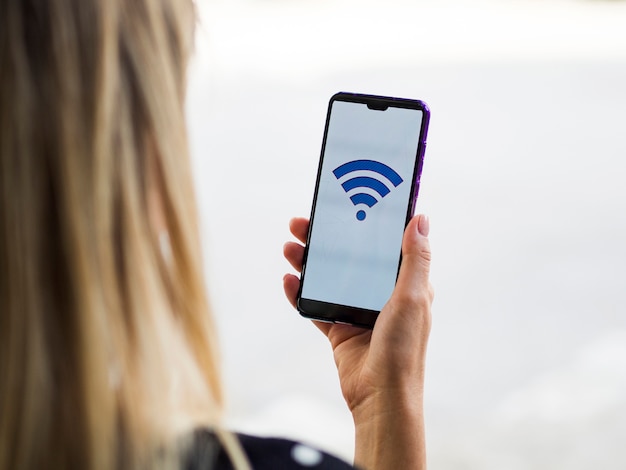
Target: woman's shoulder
<point>264,453</point>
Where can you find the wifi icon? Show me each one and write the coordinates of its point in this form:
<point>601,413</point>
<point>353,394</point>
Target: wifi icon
<point>373,182</point>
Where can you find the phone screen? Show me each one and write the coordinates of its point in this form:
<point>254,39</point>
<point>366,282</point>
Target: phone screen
<point>367,183</point>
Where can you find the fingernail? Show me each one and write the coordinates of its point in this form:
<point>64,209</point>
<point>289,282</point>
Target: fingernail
<point>423,225</point>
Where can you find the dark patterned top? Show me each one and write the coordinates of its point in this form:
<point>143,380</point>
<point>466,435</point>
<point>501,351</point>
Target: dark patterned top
<point>263,453</point>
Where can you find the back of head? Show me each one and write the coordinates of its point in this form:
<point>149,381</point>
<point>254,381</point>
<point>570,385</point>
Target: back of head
<point>104,336</point>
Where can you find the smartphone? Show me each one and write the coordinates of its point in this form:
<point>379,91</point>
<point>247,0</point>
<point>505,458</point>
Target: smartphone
<point>367,185</point>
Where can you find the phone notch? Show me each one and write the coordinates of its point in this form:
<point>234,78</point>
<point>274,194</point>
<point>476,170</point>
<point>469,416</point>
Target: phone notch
<point>377,106</point>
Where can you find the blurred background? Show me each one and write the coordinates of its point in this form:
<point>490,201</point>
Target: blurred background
<point>524,181</point>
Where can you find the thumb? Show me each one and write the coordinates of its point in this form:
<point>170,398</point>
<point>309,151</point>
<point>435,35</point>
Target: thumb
<point>413,283</point>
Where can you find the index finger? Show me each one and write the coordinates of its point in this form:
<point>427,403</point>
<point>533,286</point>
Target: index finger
<point>299,227</point>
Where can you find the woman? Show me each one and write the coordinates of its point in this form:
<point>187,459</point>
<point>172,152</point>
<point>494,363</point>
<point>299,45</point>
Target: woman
<point>107,348</point>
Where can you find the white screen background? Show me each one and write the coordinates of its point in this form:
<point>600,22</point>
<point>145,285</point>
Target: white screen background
<point>352,262</point>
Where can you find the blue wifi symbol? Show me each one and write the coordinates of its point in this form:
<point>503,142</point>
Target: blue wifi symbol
<point>366,182</point>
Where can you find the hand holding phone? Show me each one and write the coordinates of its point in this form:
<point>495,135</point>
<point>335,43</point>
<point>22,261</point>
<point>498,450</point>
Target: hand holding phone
<point>367,184</point>
<point>381,371</point>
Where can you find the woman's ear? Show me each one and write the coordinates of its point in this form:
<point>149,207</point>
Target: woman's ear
<point>156,207</point>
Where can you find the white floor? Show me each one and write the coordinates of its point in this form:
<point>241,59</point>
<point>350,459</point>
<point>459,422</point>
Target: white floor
<point>524,182</point>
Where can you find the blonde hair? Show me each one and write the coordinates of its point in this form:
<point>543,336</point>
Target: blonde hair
<point>106,342</point>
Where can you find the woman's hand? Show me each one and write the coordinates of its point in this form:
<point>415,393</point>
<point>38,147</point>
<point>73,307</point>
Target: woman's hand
<point>381,371</point>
